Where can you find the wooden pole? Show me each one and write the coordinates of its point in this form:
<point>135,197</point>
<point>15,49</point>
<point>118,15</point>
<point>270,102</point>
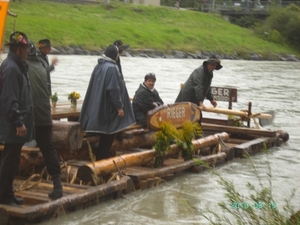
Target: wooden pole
<point>249,113</point>
<point>236,113</point>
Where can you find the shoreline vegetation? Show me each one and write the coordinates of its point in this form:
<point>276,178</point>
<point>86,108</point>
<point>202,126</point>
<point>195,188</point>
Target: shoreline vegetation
<point>154,32</point>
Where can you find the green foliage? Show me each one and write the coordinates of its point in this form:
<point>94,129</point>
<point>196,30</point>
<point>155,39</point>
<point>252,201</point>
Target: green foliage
<point>283,26</point>
<point>168,134</point>
<point>185,137</point>
<point>245,21</point>
<point>257,208</point>
<point>54,97</point>
<point>94,26</point>
<point>164,137</point>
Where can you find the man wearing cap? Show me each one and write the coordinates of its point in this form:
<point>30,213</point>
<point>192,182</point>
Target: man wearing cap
<point>197,86</point>
<point>16,113</point>
<point>146,98</point>
<point>43,118</point>
<point>45,49</point>
<point>121,48</point>
<point>106,108</point>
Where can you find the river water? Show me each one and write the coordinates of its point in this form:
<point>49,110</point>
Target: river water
<point>268,85</point>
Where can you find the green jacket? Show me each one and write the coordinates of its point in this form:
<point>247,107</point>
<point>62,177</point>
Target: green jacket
<point>40,91</point>
<point>197,86</point>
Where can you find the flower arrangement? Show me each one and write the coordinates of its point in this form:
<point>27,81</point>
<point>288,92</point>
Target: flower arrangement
<point>73,95</point>
<point>54,98</point>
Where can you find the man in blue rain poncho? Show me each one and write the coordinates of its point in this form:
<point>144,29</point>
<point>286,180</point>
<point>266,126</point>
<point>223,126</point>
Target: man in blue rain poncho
<point>106,108</point>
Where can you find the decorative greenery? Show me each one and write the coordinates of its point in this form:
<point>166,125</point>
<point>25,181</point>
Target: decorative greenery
<point>54,98</point>
<point>237,122</point>
<point>73,96</point>
<point>168,134</point>
<point>186,135</point>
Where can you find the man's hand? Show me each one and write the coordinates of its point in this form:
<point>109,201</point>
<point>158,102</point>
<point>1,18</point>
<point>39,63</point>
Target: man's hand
<point>201,105</point>
<point>54,61</point>
<point>214,103</point>
<point>120,112</point>
<point>21,131</point>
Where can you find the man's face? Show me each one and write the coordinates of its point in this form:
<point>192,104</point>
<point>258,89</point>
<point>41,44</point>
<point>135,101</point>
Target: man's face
<point>211,66</point>
<point>149,83</point>
<point>23,51</point>
<point>46,50</point>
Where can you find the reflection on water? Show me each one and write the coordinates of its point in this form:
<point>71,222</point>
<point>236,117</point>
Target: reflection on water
<point>268,85</point>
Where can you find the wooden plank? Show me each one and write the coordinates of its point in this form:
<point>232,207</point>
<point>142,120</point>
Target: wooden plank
<point>25,149</point>
<point>253,146</point>
<point>67,202</point>
<point>238,130</point>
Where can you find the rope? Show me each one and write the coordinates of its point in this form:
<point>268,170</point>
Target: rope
<point>22,187</point>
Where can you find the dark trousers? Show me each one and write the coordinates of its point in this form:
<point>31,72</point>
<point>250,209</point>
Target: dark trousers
<point>44,141</point>
<point>9,164</point>
<point>105,143</point>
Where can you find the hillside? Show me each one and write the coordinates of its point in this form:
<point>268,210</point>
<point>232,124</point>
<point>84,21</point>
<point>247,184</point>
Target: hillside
<point>94,26</point>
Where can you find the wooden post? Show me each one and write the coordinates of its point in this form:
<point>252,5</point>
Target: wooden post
<point>249,114</point>
<point>230,99</point>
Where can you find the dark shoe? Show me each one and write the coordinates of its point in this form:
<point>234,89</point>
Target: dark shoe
<point>18,200</point>
<point>56,194</point>
<point>57,191</point>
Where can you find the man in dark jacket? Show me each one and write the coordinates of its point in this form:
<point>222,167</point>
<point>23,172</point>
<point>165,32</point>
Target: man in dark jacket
<point>121,48</point>
<point>106,107</point>
<point>42,118</point>
<point>197,86</point>
<point>16,113</point>
<point>145,99</point>
<point>45,49</point>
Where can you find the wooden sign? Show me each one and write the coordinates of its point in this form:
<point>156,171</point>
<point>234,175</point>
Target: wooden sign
<point>223,94</point>
<point>176,113</point>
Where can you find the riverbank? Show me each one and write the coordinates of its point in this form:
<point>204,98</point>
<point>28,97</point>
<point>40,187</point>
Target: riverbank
<point>175,54</point>
<point>83,29</point>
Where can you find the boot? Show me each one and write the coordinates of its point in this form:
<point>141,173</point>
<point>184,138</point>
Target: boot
<point>57,191</point>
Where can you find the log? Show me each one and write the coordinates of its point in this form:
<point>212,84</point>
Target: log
<point>87,172</point>
<point>238,130</point>
<point>237,113</point>
<point>138,140</point>
<point>67,136</point>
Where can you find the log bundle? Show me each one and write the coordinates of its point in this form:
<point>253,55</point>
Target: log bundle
<point>87,172</point>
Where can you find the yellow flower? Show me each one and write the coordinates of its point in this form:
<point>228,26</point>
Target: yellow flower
<point>73,95</point>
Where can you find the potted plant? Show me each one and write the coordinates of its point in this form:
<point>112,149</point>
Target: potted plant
<point>73,96</point>
<point>54,99</point>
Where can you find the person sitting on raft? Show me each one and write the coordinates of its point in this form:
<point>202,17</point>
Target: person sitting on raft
<point>146,98</point>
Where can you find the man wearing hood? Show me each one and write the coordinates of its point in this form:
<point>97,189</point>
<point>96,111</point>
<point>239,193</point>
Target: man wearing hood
<point>106,109</point>
<point>197,87</point>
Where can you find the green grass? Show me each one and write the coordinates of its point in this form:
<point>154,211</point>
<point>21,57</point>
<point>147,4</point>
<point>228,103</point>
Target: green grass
<point>94,26</point>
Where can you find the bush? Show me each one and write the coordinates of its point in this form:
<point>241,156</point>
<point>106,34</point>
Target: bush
<point>283,26</point>
<point>258,208</point>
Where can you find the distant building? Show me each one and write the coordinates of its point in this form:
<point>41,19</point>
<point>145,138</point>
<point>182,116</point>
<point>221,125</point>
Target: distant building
<point>147,2</point>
